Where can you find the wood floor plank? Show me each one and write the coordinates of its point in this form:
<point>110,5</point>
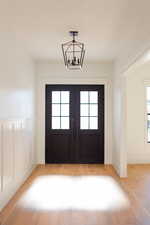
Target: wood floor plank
<point>53,195</point>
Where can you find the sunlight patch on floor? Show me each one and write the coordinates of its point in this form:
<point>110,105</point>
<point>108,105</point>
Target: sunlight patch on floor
<point>75,192</point>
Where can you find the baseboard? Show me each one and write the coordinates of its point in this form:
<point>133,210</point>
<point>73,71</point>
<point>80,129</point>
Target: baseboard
<point>117,168</point>
<point>138,158</point>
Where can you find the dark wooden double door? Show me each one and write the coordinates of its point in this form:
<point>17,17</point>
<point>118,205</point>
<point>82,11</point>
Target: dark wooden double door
<point>74,124</point>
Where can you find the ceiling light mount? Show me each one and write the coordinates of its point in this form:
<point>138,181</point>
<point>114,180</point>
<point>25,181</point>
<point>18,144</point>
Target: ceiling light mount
<point>73,52</point>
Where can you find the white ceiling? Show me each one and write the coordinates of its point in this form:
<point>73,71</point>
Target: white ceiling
<point>107,27</point>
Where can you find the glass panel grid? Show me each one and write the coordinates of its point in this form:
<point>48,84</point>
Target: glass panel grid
<point>93,123</point>
<point>93,109</point>
<point>93,97</point>
<point>84,97</point>
<point>64,122</point>
<point>84,109</point>
<point>65,96</point>
<point>88,110</point>
<point>55,122</point>
<point>64,109</point>
<point>55,96</point>
<point>55,109</point>
<point>60,110</point>
<point>84,123</point>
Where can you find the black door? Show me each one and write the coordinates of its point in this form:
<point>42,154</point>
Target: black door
<point>74,124</point>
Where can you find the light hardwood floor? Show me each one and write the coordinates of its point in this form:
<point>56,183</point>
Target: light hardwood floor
<point>81,195</point>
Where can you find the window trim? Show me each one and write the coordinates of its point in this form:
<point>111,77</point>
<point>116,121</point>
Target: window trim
<point>146,85</point>
<point>55,80</point>
<point>148,114</point>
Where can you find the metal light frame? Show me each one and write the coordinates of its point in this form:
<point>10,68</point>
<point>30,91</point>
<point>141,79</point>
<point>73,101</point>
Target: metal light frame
<point>70,51</point>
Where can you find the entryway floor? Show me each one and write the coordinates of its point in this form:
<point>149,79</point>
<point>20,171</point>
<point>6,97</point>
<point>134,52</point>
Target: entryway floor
<point>81,195</point>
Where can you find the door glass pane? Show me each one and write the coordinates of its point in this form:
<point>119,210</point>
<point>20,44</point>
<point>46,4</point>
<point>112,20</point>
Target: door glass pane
<point>93,109</point>
<point>93,123</point>
<point>55,109</point>
<point>83,96</point>
<point>84,109</point>
<point>83,123</point>
<point>64,122</point>
<point>64,109</point>
<point>55,122</point>
<point>89,110</point>
<point>93,97</point>
<point>60,109</point>
<point>55,96</point>
<point>64,96</point>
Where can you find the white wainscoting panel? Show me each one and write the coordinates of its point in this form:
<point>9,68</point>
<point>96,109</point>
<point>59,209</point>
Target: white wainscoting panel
<point>7,154</point>
<point>17,155</point>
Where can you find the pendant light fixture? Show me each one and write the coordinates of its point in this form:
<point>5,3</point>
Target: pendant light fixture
<point>73,52</point>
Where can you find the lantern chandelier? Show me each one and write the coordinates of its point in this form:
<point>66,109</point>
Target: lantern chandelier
<point>73,52</point>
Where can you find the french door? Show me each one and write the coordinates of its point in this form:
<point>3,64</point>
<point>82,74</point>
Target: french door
<point>74,124</point>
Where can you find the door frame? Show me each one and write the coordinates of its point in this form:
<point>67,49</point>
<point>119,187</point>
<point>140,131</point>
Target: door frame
<point>43,81</point>
<point>73,149</point>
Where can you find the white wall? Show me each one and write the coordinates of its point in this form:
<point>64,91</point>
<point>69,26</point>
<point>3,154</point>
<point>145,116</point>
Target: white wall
<point>128,56</point>
<point>55,73</point>
<point>119,125</point>
<point>17,103</point>
<point>138,150</point>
